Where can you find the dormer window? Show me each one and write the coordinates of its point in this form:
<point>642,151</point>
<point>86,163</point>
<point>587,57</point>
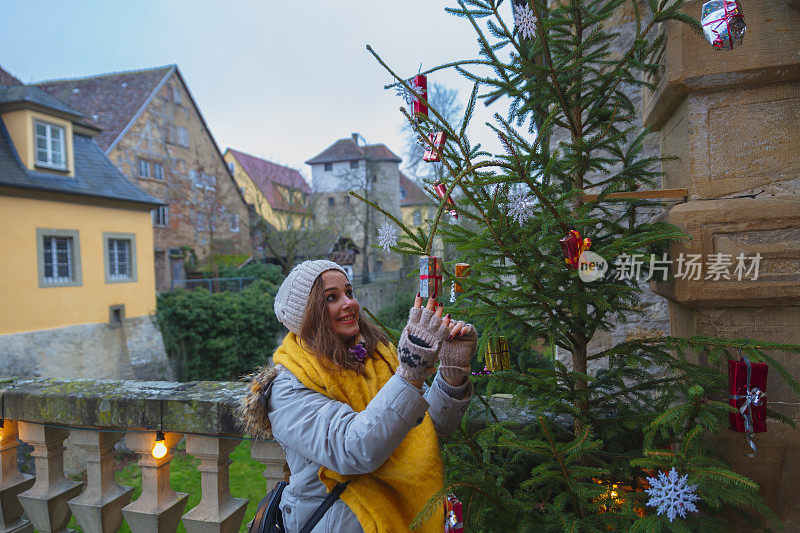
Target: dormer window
<point>50,146</point>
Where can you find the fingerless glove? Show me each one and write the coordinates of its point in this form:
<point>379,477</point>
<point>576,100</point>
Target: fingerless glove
<point>455,355</point>
<point>419,344</point>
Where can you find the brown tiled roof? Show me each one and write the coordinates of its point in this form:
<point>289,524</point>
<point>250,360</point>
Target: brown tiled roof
<point>6,78</point>
<point>414,194</point>
<point>111,100</point>
<point>348,150</point>
<point>266,175</point>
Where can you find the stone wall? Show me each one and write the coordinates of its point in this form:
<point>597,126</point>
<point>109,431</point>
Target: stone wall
<point>731,118</point>
<point>170,131</point>
<point>134,350</point>
<point>380,294</point>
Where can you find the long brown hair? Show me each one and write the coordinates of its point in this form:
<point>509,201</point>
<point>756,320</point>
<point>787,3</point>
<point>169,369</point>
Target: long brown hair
<point>319,338</point>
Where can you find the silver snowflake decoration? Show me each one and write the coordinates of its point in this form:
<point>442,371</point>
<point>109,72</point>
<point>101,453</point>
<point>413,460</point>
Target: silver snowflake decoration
<point>525,20</point>
<point>672,495</point>
<point>387,236</point>
<point>410,96</point>
<point>520,205</point>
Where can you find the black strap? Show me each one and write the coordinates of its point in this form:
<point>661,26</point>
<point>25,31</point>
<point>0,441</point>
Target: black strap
<point>324,506</point>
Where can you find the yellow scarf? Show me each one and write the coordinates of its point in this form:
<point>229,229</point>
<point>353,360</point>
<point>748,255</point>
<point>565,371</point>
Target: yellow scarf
<point>389,498</point>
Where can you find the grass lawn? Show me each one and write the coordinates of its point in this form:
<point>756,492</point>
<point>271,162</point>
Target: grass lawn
<point>246,480</point>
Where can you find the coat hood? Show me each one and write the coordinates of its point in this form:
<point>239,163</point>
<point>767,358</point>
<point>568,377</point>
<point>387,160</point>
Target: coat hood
<point>252,409</point>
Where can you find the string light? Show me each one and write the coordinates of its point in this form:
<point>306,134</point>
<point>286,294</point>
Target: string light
<point>160,449</point>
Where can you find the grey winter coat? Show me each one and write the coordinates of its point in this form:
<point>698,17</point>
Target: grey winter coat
<point>315,431</point>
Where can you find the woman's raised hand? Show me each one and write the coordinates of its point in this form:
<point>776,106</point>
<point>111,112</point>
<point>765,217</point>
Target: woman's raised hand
<point>420,340</point>
<point>457,350</point>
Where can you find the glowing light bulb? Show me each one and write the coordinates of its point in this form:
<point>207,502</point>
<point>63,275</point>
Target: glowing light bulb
<point>160,449</point>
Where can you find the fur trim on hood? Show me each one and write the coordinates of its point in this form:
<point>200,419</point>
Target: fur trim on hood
<point>252,409</point>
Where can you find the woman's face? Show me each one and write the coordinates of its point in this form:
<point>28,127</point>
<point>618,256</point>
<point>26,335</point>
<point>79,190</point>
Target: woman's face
<point>342,307</point>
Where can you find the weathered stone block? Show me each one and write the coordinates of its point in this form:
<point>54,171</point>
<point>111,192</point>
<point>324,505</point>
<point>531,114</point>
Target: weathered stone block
<point>203,407</point>
<point>744,225</point>
<point>768,55</point>
<point>87,403</point>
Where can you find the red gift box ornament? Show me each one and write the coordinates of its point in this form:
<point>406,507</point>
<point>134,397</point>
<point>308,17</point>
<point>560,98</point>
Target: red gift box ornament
<point>723,23</point>
<point>430,276</point>
<point>419,84</point>
<point>453,518</point>
<point>433,151</point>
<point>441,191</point>
<point>572,246</point>
<point>747,384</point>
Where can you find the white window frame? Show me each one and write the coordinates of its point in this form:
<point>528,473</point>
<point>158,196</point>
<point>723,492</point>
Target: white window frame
<point>182,136</point>
<point>143,164</point>
<point>48,138</point>
<point>73,277</point>
<point>234,223</point>
<point>417,217</point>
<point>177,96</point>
<point>328,167</point>
<point>111,257</point>
<point>160,213</point>
<point>160,176</point>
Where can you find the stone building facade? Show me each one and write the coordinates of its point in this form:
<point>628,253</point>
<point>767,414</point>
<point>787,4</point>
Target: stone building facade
<point>732,119</point>
<point>370,170</point>
<point>156,135</point>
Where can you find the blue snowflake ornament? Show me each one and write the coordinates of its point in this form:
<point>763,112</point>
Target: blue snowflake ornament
<point>672,495</point>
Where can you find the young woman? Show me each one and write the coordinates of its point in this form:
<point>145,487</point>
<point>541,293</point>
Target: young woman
<point>344,406</point>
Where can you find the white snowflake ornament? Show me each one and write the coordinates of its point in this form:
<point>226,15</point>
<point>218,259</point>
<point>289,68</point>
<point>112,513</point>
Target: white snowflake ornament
<point>525,20</point>
<point>672,495</point>
<point>387,236</point>
<point>520,205</point>
<point>410,96</point>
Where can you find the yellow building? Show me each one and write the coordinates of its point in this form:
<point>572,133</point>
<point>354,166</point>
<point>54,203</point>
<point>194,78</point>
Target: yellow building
<point>155,133</point>
<point>277,194</point>
<point>77,267</point>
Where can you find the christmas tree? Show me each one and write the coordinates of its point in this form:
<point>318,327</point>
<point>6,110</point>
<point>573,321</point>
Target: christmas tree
<point>628,446</point>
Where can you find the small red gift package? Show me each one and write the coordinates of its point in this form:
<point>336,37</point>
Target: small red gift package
<point>430,276</point>
<point>747,388</point>
<point>441,191</point>
<point>572,246</point>
<point>419,84</point>
<point>453,518</point>
<point>433,150</point>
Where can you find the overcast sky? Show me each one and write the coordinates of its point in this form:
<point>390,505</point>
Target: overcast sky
<point>280,80</point>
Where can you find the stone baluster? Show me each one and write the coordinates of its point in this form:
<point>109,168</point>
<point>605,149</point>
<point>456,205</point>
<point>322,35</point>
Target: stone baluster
<point>45,502</point>
<point>159,508</point>
<point>217,511</point>
<point>12,481</point>
<point>272,456</point>
<point>99,508</point>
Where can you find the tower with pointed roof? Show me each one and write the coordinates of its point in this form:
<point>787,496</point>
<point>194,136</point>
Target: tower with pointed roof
<point>371,170</point>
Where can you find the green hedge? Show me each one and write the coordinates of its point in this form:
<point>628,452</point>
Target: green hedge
<point>219,336</point>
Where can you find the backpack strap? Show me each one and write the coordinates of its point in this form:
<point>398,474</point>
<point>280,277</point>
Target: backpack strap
<point>324,506</point>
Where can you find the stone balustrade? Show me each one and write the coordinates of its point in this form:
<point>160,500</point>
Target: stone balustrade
<point>96,414</point>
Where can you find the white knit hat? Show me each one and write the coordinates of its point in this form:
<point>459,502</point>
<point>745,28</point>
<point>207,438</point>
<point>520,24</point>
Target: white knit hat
<point>292,298</point>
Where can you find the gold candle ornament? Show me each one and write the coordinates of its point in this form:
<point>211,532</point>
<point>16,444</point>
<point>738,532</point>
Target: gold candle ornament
<point>461,271</point>
<point>497,357</point>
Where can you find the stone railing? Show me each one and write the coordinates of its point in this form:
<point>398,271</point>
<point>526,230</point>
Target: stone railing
<point>96,414</point>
